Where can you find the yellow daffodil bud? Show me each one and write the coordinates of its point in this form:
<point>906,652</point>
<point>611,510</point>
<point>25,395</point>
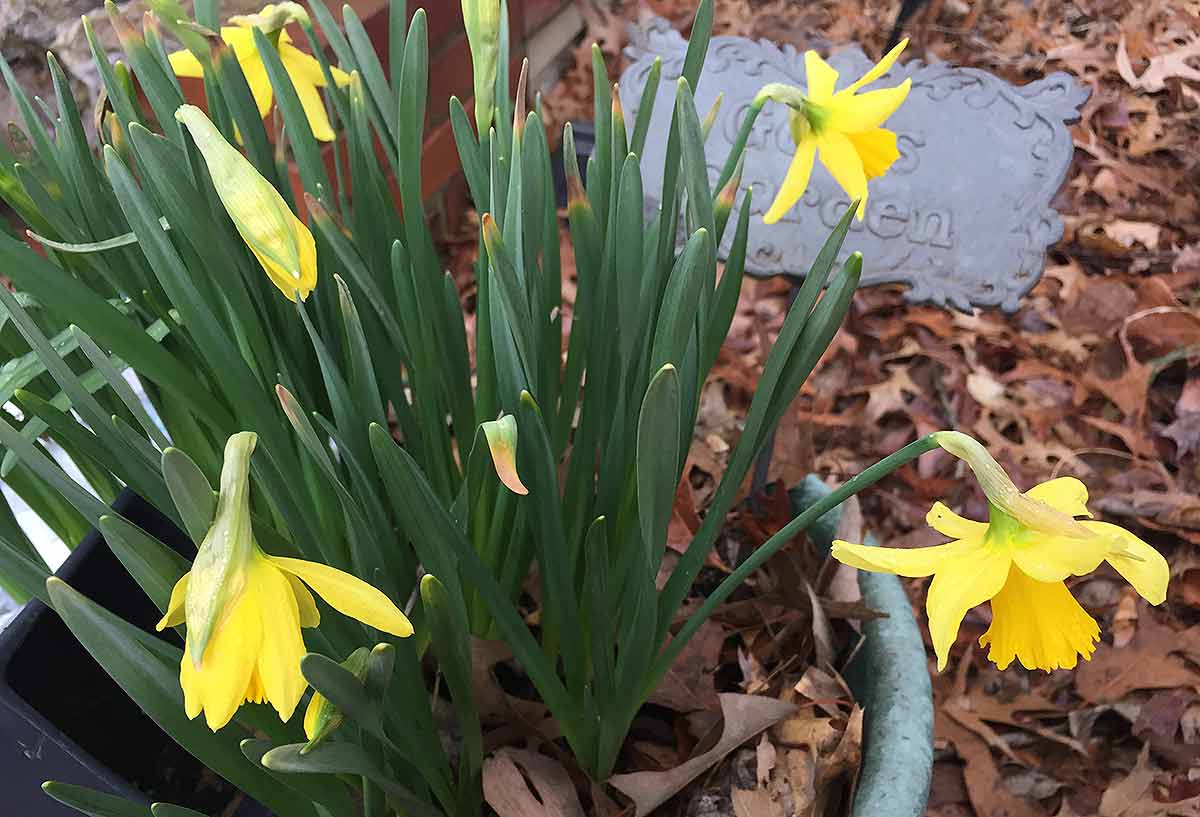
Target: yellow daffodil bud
<point>482,20</point>
<point>502,442</point>
<point>280,241</point>
<point>322,718</point>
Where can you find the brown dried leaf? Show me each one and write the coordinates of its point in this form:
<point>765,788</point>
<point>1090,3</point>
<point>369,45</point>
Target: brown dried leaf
<point>688,685</point>
<point>745,717</point>
<point>508,776</point>
<point>1163,67</point>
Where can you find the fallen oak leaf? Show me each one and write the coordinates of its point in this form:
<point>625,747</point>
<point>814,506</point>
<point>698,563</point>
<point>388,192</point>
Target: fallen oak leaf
<point>843,763</point>
<point>688,685</point>
<point>1148,662</point>
<point>508,775</point>
<point>985,787</point>
<point>1162,67</point>
<point>1123,796</point>
<point>745,717</point>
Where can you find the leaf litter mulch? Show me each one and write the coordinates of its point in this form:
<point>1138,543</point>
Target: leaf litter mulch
<point>1097,376</point>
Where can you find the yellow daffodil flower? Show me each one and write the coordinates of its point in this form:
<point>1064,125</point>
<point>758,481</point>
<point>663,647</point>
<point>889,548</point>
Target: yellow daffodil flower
<point>1018,561</point>
<point>841,127</point>
<point>303,69</point>
<point>244,609</point>
<point>279,240</point>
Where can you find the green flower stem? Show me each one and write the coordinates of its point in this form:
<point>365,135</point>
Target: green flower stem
<point>769,548</point>
<point>739,144</point>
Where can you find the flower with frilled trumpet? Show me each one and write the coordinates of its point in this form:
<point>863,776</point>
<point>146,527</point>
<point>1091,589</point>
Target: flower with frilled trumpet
<point>1017,560</point>
<point>244,608</point>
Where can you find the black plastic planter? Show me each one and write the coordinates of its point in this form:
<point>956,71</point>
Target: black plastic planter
<point>61,716</point>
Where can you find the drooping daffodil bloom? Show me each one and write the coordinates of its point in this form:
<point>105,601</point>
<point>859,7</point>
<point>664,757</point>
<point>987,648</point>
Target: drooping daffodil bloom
<point>841,127</point>
<point>303,69</point>
<point>244,609</point>
<point>1017,560</point>
<point>279,240</point>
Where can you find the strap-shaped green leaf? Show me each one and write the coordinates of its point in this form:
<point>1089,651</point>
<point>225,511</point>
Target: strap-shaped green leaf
<point>319,788</point>
<point>23,577</point>
<point>451,640</point>
<point>658,460</point>
<point>154,566</point>
<point>346,758</point>
<point>641,125</point>
<point>190,490</point>
<point>172,810</point>
<point>681,301</point>
<point>92,802</point>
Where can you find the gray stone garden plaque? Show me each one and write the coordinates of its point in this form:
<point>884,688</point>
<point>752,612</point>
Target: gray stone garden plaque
<point>963,217</point>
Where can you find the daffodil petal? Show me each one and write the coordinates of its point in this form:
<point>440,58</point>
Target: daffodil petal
<point>1049,557</point>
<point>310,616</point>
<point>349,595</point>
<point>841,160</point>
<point>1038,623</point>
<point>314,110</point>
<point>259,82</point>
<point>176,613</point>
<point>241,40</point>
<point>301,67</point>
<point>960,584</point>
<point>1065,494</point>
<point>221,682</point>
<point>877,149</point>
<point>282,645</point>
<point>948,523</point>
<point>822,77</point>
<point>290,281</point>
<point>1140,564</point>
<point>311,713</point>
<point>185,64</point>
<point>189,681</point>
<point>911,562</point>
<point>860,112</point>
<point>795,183</point>
<point>878,69</point>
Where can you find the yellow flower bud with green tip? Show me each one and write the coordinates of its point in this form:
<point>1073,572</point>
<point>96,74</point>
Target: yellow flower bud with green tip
<point>280,241</point>
<point>322,718</point>
<point>482,20</point>
<point>244,609</point>
<point>1018,560</point>
<point>501,438</point>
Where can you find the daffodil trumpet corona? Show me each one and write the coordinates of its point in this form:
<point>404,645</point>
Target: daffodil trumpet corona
<point>841,128</point>
<point>1018,560</point>
<point>244,609</point>
<point>302,69</point>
